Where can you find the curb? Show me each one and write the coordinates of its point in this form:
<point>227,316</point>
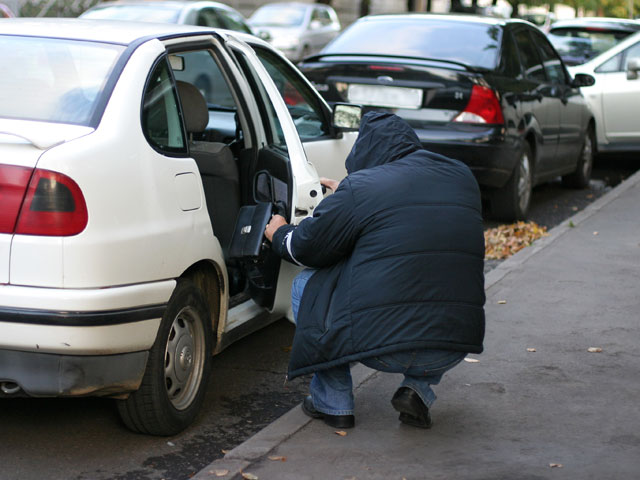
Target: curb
<point>266,440</point>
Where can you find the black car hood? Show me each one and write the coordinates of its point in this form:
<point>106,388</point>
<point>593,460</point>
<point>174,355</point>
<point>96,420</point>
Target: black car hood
<point>383,138</point>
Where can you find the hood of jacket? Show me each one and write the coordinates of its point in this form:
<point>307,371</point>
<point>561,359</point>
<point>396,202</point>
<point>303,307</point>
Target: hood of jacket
<point>382,138</point>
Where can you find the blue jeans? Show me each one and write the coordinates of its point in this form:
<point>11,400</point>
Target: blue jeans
<point>332,389</point>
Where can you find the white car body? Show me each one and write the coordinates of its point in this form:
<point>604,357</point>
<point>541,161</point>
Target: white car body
<point>615,97</point>
<point>81,313</point>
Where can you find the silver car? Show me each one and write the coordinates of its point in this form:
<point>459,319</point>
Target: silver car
<point>615,97</point>
<point>296,29</point>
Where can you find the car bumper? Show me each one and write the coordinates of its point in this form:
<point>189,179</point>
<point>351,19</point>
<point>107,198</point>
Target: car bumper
<point>487,151</point>
<point>87,342</point>
<point>49,375</point>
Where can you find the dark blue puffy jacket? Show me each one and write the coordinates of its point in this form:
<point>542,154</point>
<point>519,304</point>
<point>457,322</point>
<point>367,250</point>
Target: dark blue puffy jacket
<point>399,249</point>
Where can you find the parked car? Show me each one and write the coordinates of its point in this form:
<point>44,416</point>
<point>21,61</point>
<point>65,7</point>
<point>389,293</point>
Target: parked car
<point>121,188</point>
<point>201,13</point>
<point>578,40</point>
<point>615,97</point>
<point>297,29</point>
<point>490,92</point>
<point>5,11</point>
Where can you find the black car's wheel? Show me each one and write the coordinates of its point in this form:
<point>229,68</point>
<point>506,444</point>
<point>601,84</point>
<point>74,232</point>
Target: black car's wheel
<point>512,201</point>
<point>580,178</point>
<point>179,363</point>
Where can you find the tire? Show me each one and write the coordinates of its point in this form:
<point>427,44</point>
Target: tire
<point>179,363</point>
<point>580,178</point>
<point>512,201</point>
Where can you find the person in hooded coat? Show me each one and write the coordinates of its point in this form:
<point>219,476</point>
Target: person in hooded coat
<point>394,276</point>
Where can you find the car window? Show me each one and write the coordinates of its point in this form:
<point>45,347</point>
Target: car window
<point>54,80</point>
<point>509,61</point>
<point>277,15</point>
<point>270,121</point>
<point>611,65</point>
<point>629,53</point>
<point>469,43</point>
<point>550,60</point>
<point>578,45</point>
<point>161,119</point>
<point>321,15</point>
<point>142,13</point>
<point>531,62</point>
<point>233,21</point>
<point>208,18</point>
<point>302,102</point>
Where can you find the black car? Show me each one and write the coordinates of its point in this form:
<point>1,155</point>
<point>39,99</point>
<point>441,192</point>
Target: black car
<point>492,93</point>
<point>578,40</point>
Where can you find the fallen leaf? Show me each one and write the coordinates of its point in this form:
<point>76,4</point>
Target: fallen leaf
<point>595,233</point>
<point>171,444</point>
<point>286,349</point>
<point>575,209</point>
<point>277,457</point>
<point>505,240</point>
<point>555,465</point>
<point>471,360</point>
<point>531,349</point>
<point>220,472</point>
<point>571,224</point>
<point>590,195</point>
<point>342,433</point>
<point>249,476</point>
<point>594,349</point>
<point>501,302</point>
<point>224,451</point>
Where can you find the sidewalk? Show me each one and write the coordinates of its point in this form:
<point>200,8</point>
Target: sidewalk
<point>560,411</point>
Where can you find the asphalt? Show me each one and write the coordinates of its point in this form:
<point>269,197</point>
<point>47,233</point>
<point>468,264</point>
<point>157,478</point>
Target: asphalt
<point>555,395</point>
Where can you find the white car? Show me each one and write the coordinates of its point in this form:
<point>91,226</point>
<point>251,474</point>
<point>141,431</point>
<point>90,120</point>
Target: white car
<point>615,96</point>
<point>297,29</point>
<point>119,191</point>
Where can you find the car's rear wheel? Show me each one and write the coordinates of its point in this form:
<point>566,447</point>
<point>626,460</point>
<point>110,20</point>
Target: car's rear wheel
<point>178,367</point>
<point>581,177</point>
<point>512,201</point>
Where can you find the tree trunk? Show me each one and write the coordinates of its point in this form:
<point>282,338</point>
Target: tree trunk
<point>365,6</point>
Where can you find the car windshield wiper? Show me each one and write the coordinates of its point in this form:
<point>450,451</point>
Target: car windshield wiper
<point>471,68</point>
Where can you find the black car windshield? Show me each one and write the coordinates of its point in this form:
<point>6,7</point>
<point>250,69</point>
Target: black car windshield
<point>470,43</point>
<point>53,80</point>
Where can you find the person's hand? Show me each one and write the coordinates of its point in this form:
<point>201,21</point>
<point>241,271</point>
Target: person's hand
<point>274,224</point>
<point>329,183</point>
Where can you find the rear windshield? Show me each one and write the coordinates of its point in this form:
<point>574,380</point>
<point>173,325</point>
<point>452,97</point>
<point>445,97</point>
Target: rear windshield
<point>578,46</point>
<point>473,44</point>
<point>53,80</point>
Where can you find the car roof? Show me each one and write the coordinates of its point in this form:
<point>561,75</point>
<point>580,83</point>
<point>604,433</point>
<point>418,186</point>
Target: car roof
<point>600,22</point>
<point>171,3</point>
<point>121,32</point>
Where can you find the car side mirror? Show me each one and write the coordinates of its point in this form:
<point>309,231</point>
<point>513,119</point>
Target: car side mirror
<point>346,117</point>
<point>176,62</point>
<point>633,66</point>
<point>583,80</point>
<point>264,35</point>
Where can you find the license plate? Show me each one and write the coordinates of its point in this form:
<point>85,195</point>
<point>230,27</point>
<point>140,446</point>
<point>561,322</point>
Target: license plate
<point>385,96</point>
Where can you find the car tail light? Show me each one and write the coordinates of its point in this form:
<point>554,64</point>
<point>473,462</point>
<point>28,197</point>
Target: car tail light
<point>53,206</point>
<point>483,107</point>
<point>13,184</point>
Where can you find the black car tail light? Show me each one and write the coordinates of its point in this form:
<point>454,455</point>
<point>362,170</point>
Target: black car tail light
<point>483,107</point>
<point>386,68</point>
<point>13,183</point>
<point>53,206</point>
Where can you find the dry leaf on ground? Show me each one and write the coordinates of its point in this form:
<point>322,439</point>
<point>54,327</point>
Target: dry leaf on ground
<point>502,302</point>
<point>555,465</point>
<point>594,349</point>
<point>503,241</point>
<point>342,433</point>
<point>249,476</point>
<point>277,457</point>
<point>220,472</point>
<point>531,349</point>
<point>471,360</point>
